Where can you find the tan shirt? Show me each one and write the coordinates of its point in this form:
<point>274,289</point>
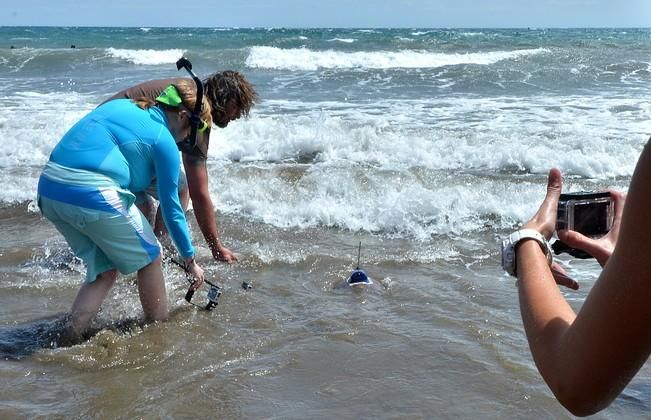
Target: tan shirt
<point>151,90</point>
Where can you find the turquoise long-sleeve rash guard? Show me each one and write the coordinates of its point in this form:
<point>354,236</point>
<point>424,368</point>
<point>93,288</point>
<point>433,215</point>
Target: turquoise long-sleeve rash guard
<point>131,146</point>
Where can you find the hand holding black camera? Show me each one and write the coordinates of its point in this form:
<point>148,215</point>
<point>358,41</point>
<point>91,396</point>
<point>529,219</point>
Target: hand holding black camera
<point>586,212</point>
<point>588,224</point>
<point>606,219</point>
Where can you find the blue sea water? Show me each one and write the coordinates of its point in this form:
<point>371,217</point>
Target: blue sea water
<point>404,100</point>
<point>426,144</point>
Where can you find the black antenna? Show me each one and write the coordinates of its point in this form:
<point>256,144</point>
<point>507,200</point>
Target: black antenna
<point>359,254</point>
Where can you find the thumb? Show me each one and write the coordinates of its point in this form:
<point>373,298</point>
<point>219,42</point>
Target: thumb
<point>562,279</point>
<point>554,182</point>
<point>577,240</point>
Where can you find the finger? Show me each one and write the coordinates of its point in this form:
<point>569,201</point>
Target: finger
<point>577,240</point>
<point>619,199</point>
<point>563,279</point>
<point>554,184</point>
<point>558,268</point>
<point>545,218</point>
<point>197,283</point>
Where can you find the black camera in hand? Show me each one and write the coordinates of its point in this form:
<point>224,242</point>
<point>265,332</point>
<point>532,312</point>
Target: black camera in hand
<point>213,296</point>
<point>586,212</point>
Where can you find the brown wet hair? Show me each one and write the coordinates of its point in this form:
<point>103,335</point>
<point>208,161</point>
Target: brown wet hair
<point>228,85</point>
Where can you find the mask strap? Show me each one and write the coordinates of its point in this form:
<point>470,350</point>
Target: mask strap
<point>195,118</point>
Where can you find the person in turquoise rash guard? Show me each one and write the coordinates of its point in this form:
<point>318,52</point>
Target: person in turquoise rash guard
<point>87,191</point>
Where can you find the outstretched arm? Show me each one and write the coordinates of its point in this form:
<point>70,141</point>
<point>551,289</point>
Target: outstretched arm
<point>204,211</point>
<point>587,359</point>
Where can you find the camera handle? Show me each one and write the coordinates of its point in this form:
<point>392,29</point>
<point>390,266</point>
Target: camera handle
<point>560,247</point>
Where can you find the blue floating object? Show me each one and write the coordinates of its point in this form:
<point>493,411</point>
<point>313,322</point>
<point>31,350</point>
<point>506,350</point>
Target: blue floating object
<point>358,277</point>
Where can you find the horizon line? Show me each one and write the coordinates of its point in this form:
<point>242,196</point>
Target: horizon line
<point>326,27</point>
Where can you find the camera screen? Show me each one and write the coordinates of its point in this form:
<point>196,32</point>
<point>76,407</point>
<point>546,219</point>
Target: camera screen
<point>591,219</point>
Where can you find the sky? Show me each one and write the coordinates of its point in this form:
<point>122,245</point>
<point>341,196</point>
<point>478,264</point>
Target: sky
<point>329,13</point>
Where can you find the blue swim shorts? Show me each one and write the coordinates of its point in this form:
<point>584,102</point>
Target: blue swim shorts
<point>106,231</point>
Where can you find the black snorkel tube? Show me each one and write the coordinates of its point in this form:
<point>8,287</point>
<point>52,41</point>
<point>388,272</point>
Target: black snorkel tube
<point>195,120</point>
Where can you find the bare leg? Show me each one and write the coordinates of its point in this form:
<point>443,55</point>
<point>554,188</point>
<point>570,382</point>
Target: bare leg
<point>148,208</point>
<point>151,288</point>
<point>87,303</point>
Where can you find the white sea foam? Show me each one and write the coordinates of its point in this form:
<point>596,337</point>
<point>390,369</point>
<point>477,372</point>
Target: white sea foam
<point>459,134</point>
<point>306,59</point>
<point>31,124</point>
<point>344,40</point>
<point>398,167</point>
<point>147,57</point>
<point>408,167</point>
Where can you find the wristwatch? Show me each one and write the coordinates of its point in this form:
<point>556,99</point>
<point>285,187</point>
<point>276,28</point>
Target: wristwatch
<point>511,242</point>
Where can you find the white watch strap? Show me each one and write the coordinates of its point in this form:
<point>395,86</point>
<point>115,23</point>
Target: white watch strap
<point>535,235</point>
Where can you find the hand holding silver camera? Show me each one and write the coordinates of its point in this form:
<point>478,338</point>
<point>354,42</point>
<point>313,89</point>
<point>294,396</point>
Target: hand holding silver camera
<point>589,213</point>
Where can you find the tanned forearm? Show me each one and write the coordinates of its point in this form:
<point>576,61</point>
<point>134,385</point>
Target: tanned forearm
<point>204,210</point>
<point>545,313</point>
<point>558,349</point>
<point>546,316</point>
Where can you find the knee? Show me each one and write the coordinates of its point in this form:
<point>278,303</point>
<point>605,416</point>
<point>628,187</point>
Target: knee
<point>109,276</point>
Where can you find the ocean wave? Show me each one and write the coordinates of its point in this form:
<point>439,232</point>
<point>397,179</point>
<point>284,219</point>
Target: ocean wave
<point>27,59</point>
<point>147,57</point>
<point>394,167</point>
<point>344,40</point>
<point>19,59</point>
<point>471,34</point>
<point>310,60</point>
<point>495,134</point>
<point>419,33</point>
<point>408,204</point>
